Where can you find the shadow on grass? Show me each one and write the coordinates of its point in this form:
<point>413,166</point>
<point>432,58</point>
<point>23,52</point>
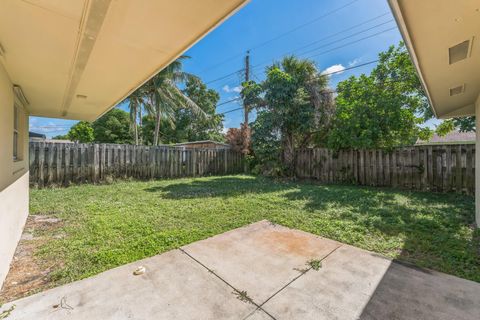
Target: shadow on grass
<point>437,230</point>
<point>434,230</point>
<point>218,187</point>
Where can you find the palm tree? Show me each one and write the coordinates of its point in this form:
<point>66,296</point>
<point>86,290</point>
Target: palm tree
<point>306,74</point>
<point>307,90</point>
<point>136,102</point>
<point>164,97</point>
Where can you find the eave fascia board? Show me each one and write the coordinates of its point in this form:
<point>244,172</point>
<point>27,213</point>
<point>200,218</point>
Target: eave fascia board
<point>398,15</point>
<point>175,56</point>
<point>460,112</point>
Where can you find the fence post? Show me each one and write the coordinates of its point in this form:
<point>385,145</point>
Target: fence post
<point>95,166</point>
<point>445,168</point>
<point>41,163</point>
<point>225,161</point>
<point>194,161</point>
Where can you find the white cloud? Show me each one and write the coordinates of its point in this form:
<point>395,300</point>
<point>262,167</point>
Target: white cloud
<point>336,68</point>
<point>354,62</point>
<point>228,89</point>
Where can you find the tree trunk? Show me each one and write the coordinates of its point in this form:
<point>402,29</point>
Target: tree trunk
<point>246,133</point>
<point>289,154</point>
<point>245,115</point>
<point>157,128</point>
<point>140,124</point>
<point>135,131</point>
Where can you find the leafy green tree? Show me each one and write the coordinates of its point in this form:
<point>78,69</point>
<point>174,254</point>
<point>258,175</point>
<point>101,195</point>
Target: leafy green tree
<point>461,124</point>
<point>465,124</point>
<point>296,107</point>
<point>164,96</point>
<point>384,109</point>
<point>113,127</point>
<point>136,103</point>
<point>81,132</point>
<point>60,137</point>
<point>252,96</point>
<point>266,144</point>
<point>148,128</point>
<point>188,126</point>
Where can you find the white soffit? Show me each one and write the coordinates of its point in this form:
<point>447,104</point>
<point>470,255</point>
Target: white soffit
<point>443,37</point>
<point>77,59</point>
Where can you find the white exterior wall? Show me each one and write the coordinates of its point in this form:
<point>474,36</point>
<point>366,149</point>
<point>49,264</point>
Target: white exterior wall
<point>13,174</point>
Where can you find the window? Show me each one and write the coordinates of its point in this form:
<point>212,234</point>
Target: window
<point>15,133</point>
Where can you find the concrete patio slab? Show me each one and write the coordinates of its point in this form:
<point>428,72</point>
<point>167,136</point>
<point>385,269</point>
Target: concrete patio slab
<point>259,272</point>
<point>259,315</point>
<point>173,287</point>
<point>261,258</point>
<point>340,289</point>
<point>406,292</point>
<point>357,284</point>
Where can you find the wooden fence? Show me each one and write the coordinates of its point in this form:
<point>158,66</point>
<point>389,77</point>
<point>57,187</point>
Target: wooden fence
<point>443,168</point>
<point>67,163</point>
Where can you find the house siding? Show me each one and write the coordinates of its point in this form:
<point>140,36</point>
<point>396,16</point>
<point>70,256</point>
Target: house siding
<point>13,174</point>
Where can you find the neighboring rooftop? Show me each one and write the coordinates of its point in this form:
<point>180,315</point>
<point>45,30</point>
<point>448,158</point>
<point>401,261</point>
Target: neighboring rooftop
<point>455,137</point>
<point>203,144</point>
<point>32,134</point>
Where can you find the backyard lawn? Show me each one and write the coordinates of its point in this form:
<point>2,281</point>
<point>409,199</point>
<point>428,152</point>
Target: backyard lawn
<point>103,226</point>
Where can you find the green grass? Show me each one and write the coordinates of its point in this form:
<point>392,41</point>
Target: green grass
<point>109,225</point>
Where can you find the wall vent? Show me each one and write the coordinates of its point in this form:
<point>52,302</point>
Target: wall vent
<point>457,90</point>
<point>460,51</point>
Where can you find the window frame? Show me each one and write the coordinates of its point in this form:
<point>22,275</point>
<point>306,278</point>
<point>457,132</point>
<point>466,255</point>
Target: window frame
<point>16,133</point>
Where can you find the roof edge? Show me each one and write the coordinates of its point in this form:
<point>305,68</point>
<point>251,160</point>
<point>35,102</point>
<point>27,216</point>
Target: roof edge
<point>397,14</point>
<point>199,37</point>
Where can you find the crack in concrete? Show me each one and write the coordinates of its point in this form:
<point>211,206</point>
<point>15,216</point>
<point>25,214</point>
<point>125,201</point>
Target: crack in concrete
<point>259,306</point>
<point>228,284</point>
<point>297,277</point>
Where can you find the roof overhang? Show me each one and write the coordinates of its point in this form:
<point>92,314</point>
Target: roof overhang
<point>432,29</point>
<point>77,59</point>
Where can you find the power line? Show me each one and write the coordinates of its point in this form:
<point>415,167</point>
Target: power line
<point>303,25</point>
<point>236,109</point>
<point>262,44</point>
<point>353,42</point>
<point>229,101</point>
<point>323,74</point>
<point>325,45</point>
<point>331,36</point>
<point>224,77</point>
<point>325,92</point>
<point>348,37</point>
<point>336,48</point>
<point>344,30</point>
<point>350,68</point>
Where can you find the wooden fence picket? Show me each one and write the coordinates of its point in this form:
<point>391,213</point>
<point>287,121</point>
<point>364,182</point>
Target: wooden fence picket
<point>438,168</point>
<point>65,163</point>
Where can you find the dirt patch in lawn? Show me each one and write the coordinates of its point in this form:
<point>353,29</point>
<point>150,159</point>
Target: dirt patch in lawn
<point>27,274</point>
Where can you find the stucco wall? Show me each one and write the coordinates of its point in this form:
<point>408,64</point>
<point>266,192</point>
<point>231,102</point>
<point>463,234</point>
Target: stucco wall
<point>477,163</point>
<point>13,174</point>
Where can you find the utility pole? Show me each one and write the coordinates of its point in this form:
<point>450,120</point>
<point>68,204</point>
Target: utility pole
<point>247,78</point>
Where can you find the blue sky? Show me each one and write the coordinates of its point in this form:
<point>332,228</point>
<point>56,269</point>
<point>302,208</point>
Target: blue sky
<point>335,34</point>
